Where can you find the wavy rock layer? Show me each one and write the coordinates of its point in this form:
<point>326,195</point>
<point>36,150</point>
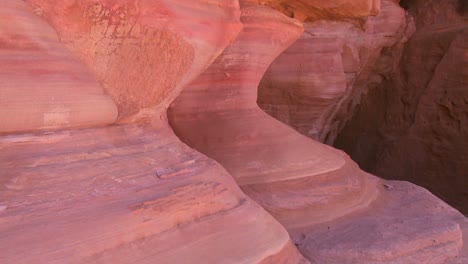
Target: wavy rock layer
<point>42,86</point>
<point>129,193</point>
<point>304,184</point>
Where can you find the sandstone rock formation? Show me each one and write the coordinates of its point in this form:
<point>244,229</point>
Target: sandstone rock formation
<point>128,193</point>
<point>133,192</point>
<point>307,186</point>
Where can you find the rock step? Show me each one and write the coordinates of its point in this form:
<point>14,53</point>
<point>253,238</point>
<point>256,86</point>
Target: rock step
<point>127,194</point>
<point>406,224</point>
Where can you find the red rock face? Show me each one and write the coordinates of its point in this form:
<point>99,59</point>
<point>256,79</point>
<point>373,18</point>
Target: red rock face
<point>420,111</point>
<point>42,86</point>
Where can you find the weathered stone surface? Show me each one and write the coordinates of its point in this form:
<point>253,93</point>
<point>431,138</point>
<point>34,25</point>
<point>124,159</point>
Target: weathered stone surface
<point>42,86</point>
<point>143,51</point>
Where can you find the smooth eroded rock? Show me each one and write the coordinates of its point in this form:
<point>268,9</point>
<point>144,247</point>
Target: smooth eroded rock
<point>42,85</point>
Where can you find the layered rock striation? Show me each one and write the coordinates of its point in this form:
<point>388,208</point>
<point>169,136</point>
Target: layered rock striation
<point>315,191</point>
<point>129,192</point>
<point>316,83</point>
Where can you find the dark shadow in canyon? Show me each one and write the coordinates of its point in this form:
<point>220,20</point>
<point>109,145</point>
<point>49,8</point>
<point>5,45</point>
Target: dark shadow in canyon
<point>414,125</point>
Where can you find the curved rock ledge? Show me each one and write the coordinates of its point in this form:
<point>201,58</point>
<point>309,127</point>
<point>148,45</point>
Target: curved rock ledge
<point>302,183</point>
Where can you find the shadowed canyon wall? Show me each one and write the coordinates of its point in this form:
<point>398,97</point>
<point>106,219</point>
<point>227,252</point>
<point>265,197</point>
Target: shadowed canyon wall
<point>393,88</point>
<point>414,124</point>
<point>130,133</point>
<point>314,84</point>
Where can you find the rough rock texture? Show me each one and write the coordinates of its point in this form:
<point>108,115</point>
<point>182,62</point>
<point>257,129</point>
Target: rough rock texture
<point>42,86</point>
<point>140,51</point>
<point>302,183</point>
<point>313,85</point>
<point>414,125</point>
<point>130,193</point>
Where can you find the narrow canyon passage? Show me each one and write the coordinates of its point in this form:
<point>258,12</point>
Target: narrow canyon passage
<point>130,133</point>
<point>414,124</point>
<point>390,91</point>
